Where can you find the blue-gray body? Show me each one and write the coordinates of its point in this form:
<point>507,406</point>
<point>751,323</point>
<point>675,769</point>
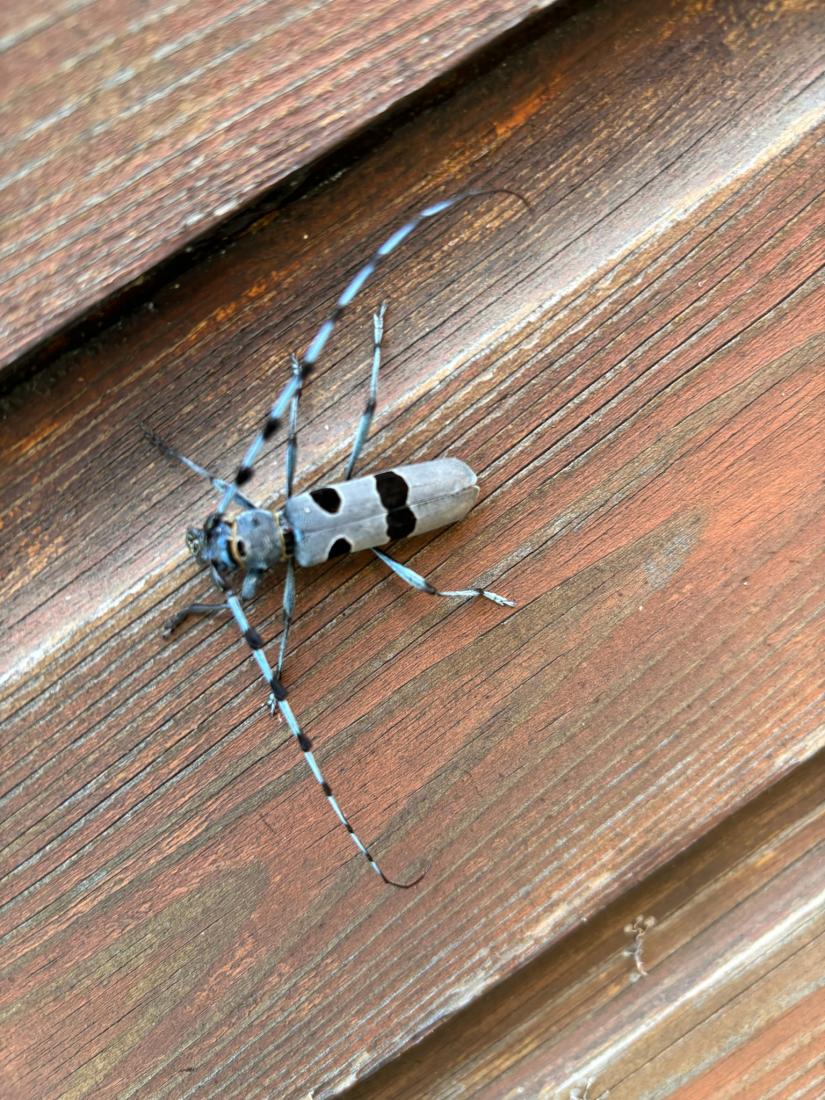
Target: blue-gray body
<point>372,511</point>
<point>360,514</point>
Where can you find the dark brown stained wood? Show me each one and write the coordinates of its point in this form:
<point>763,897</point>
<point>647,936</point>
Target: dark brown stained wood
<point>732,1005</point>
<point>130,129</point>
<point>634,373</point>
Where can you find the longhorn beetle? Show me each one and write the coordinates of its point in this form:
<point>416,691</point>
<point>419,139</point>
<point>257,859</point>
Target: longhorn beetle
<point>360,513</point>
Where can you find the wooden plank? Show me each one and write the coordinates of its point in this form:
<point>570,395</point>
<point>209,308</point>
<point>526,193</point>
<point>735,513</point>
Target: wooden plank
<point>732,1004</point>
<point>633,372</point>
<point>129,130</point>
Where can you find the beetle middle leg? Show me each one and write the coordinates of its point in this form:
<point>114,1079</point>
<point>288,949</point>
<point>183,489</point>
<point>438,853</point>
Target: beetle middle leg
<point>288,603</point>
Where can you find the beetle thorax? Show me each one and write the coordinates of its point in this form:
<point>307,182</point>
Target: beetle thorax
<point>253,541</point>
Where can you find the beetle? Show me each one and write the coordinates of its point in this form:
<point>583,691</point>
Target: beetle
<point>357,513</point>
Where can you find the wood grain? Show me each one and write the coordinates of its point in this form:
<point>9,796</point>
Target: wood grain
<point>632,370</point>
<point>732,1005</point>
<point>130,130</point>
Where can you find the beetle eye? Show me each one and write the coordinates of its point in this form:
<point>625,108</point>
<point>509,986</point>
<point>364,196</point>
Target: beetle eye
<point>241,548</point>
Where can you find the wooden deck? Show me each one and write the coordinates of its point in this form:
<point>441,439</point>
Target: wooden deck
<point>634,369</point>
<point>131,130</point>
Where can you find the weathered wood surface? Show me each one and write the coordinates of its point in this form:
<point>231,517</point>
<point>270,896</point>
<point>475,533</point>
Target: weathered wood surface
<point>130,129</point>
<point>633,371</point>
<point>732,1005</point>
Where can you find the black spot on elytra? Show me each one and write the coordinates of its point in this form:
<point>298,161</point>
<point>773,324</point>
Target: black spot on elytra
<point>327,498</point>
<point>339,548</point>
<point>393,491</point>
<point>400,523</point>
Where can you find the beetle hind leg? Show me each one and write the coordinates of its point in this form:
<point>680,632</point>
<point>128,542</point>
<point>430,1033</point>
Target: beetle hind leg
<point>423,585</point>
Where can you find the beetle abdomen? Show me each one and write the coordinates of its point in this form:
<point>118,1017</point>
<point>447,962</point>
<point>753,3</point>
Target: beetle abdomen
<point>371,511</point>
